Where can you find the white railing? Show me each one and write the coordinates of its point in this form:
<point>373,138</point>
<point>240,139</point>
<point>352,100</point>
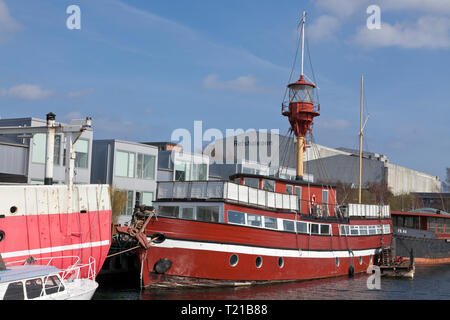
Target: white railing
<point>368,211</point>
<point>224,190</point>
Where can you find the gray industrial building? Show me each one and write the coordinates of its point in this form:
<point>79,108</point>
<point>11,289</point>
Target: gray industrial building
<point>23,157</point>
<point>275,154</point>
<point>126,166</point>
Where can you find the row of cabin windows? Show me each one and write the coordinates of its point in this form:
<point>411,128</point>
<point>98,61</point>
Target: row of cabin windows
<point>365,230</point>
<point>252,220</point>
<point>439,225</point>
<point>33,288</point>
<point>198,213</point>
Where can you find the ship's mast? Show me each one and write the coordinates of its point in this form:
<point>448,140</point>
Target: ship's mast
<point>360,141</point>
<point>301,110</point>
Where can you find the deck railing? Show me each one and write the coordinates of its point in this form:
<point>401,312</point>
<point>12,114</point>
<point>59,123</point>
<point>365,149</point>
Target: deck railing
<point>225,190</point>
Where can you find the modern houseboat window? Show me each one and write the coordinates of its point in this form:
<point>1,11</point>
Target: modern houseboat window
<point>81,148</point>
<point>251,182</point>
<point>314,228</point>
<point>167,211</point>
<point>208,214</point>
<point>14,291</point>
<point>254,220</point>
<point>302,227</point>
<point>236,217</point>
<point>269,185</point>
<point>33,288</point>
<point>288,225</point>
<point>124,164</point>
<point>144,198</point>
<point>270,223</point>
<point>187,213</point>
<point>53,285</point>
<point>289,189</point>
<point>325,229</point>
<point>145,166</point>
<point>128,210</point>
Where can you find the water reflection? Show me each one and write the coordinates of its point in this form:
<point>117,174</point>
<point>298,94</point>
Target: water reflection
<point>430,283</point>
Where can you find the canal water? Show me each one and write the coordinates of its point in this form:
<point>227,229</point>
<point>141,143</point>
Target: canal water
<point>430,283</point>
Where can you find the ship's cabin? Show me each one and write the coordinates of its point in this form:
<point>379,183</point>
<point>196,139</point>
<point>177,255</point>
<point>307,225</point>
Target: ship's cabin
<point>313,199</point>
<point>427,219</point>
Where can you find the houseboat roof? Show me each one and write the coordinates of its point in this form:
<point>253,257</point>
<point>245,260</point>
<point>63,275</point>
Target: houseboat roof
<point>424,212</point>
<point>293,182</point>
<point>26,272</point>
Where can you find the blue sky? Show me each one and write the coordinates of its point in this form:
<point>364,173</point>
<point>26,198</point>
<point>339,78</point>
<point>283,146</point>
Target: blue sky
<point>142,69</point>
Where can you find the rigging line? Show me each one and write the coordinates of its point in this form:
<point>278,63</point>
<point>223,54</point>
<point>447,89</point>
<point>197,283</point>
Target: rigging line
<point>283,152</point>
<point>294,63</point>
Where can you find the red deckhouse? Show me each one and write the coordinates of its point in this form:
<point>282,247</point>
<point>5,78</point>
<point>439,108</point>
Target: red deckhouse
<point>254,229</point>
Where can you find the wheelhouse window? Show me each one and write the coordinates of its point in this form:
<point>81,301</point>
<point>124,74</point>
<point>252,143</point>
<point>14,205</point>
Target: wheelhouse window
<point>169,211</point>
<point>53,285</point>
<point>251,182</point>
<point>345,230</point>
<point>33,288</point>
<point>269,185</point>
<point>289,189</point>
<point>298,193</point>
<point>363,230</point>
<point>14,291</point>
<point>208,214</point>
<point>236,217</point>
<point>270,223</point>
<point>302,227</point>
<point>254,220</point>
<point>325,202</point>
<point>81,148</point>
<point>372,230</point>
<point>39,145</point>
<point>354,230</point>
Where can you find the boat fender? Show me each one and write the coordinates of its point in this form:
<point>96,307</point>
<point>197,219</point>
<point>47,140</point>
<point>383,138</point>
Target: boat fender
<point>158,238</point>
<point>2,235</point>
<point>351,271</point>
<point>162,266</point>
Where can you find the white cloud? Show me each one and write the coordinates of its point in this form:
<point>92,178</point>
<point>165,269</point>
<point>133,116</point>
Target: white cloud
<point>80,94</point>
<point>27,92</point>
<point>323,28</point>
<point>438,6</point>
<point>334,124</point>
<point>427,32</point>
<point>240,84</point>
<point>7,23</point>
<point>341,8</point>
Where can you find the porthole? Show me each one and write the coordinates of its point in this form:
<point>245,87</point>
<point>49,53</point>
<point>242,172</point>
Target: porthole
<point>258,262</point>
<point>360,260</point>
<point>337,262</point>
<point>281,262</point>
<point>13,209</point>
<point>2,235</point>
<point>234,260</point>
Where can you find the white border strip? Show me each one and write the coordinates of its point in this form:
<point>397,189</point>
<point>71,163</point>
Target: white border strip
<point>55,249</point>
<point>270,252</point>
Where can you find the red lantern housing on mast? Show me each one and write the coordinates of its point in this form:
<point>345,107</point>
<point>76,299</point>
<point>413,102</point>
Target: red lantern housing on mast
<point>301,110</point>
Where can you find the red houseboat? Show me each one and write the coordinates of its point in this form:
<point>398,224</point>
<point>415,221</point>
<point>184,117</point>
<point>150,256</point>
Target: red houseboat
<point>254,229</point>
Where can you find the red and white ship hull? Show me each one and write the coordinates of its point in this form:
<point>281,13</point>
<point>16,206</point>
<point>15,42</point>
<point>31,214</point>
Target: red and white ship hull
<point>201,253</point>
<point>51,221</point>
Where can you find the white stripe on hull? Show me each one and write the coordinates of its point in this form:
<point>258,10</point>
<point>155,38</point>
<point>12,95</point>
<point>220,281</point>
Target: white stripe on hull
<point>270,252</point>
<point>55,249</point>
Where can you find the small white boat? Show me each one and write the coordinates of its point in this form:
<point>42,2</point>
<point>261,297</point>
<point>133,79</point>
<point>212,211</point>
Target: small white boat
<point>23,280</point>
